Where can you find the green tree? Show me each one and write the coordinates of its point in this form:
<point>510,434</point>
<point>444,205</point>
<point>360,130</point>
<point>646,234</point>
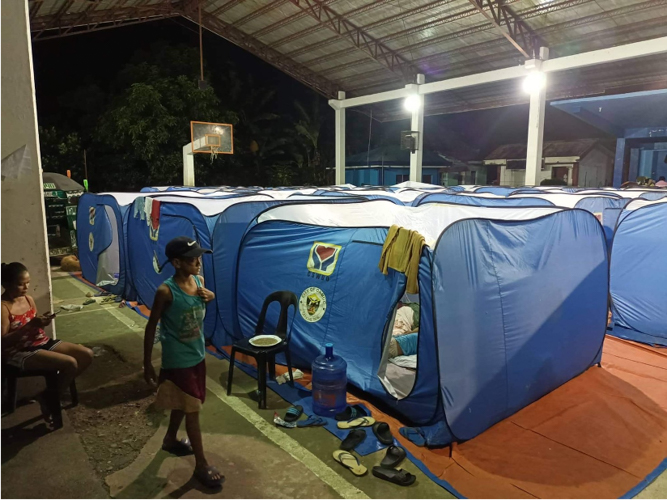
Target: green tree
<point>148,122</point>
<point>61,152</point>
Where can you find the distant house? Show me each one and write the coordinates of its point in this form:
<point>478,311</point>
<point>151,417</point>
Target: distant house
<point>389,165</point>
<point>582,162</point>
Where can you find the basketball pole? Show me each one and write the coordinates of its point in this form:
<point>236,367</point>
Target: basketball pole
<point>188,166</point>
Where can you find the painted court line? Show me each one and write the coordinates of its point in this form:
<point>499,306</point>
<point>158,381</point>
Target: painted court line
<point>113,311</point>
<point>285,442</point>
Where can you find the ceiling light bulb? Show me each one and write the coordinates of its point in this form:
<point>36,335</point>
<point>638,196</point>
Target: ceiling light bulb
<point>534,81</point>
<point>412,103</point>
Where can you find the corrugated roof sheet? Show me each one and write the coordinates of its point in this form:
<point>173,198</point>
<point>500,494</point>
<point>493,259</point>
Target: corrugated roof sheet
<point>364,47</point>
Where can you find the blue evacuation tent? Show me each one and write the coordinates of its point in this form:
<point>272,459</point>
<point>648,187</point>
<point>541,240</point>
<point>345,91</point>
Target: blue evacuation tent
<point>506,314</point>
<point>638,273</point>
<point>480,201</point>
<point>154,221</point>
<point>101,224</point>
<point>230,227</point>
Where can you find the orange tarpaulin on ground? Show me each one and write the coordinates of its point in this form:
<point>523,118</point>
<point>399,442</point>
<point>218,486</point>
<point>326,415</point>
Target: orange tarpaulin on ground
<point>597,436</point>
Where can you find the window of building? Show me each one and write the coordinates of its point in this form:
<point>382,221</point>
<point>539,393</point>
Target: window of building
<point>402,178</point>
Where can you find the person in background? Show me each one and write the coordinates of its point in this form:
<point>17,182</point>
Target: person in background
<point>24,343</point>
<point>661,182</point>
<point>180,307</point>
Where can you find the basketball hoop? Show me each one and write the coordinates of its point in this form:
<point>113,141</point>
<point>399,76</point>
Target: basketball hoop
<point>214,152</point>
<point>212,138</point>
<point>208,138</point>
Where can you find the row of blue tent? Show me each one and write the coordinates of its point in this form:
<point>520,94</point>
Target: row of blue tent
<point>513,286</point>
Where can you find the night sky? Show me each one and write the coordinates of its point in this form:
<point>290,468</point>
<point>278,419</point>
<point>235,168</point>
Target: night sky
<point>62,65</point>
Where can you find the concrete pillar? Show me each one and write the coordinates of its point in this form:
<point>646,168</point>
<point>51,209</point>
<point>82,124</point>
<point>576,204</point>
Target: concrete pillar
<point>417,125</point>
<point>23,221</point>
<point>536,122</point>
<point>340,142</point>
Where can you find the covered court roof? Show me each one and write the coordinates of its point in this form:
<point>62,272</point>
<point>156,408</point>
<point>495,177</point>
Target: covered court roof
<point>363,46</point>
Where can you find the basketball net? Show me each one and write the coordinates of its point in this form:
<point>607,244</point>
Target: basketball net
<point>214,153</point>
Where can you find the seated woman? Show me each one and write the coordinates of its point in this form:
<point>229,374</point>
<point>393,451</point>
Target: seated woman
<point>24,344</point>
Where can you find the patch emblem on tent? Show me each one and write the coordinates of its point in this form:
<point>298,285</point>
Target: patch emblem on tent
<point>91,241</point>
<point>91,216</point>
<point>323,258</point>
<point>156,263</point>
<point>312,304</point>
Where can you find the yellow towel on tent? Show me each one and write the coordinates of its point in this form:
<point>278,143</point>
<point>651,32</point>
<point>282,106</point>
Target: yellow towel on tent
<point>401,251</point>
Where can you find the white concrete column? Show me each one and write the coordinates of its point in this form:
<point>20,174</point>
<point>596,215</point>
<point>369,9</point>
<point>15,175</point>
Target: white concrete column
<point>536,121</point>
<point>188,165</point>
<point>23,221</point>
<point>417,125</point>
<point>340,141</point>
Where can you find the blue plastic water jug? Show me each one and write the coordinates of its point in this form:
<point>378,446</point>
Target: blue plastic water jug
<point>329,383</point>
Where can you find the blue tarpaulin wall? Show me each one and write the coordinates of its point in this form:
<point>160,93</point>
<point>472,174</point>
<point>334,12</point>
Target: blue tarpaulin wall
<point>638,280</point>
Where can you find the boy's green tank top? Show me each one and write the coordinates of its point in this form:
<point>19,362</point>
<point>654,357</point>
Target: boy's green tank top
<point>182,328</point>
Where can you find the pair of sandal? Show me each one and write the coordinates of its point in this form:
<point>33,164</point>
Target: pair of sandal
<point>386,470</point>
<point>205,475</point>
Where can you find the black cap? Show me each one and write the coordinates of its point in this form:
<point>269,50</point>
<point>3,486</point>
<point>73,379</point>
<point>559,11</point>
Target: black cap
<point>184,247</point>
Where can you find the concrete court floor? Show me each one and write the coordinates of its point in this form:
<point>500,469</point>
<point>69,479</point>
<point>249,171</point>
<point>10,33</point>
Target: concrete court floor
<point>258,459</point>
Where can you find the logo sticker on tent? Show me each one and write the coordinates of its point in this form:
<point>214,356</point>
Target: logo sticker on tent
<point>323,258</point>
<point>312,304</point>
<point>91,241</point>
<point>91,216</point>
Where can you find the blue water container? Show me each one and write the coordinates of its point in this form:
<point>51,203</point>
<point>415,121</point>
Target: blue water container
<point>329,383</point>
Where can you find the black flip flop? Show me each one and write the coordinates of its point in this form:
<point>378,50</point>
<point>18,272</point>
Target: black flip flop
<point>396,476</point>
<point>395,455</point>
<point>294,413</point>
<point>352,412</point>
<point>353,439</point>
<point>179,448</point>
<point>383,433</point>
<point>205,477</point>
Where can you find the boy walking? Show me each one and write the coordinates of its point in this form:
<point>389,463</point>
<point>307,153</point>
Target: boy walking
<point>180,306</point>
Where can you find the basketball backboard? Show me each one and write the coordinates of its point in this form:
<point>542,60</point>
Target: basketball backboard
<point>212,138</point>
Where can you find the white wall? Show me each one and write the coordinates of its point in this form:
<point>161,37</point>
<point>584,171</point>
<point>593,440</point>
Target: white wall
<point>596,169</point>
<point>517,178</point>
<point>23,221</point>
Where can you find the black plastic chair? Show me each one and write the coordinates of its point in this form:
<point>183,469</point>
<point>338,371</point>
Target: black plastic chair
<point>267,355</point>
<point>11,374</point>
